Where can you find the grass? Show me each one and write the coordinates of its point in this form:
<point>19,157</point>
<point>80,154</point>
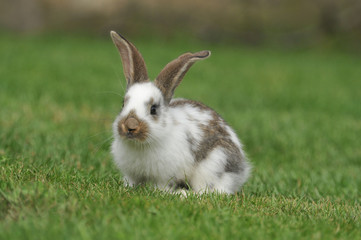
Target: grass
<point>297,112</point>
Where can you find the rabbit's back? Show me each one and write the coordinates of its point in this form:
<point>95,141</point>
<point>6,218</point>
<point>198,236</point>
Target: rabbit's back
<point>217,153</point>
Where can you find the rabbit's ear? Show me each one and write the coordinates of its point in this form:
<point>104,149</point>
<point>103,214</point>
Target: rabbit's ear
<point>173,73</point>
<point>133,62</point>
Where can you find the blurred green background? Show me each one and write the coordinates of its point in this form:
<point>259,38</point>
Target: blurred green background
<point>284,23</point>
<point>286,75</point>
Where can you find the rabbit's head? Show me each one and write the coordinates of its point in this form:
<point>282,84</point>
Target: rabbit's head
<point>144,116</point>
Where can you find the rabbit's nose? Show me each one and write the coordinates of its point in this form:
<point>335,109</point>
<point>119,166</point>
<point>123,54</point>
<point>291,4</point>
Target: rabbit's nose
<point>132,125</point>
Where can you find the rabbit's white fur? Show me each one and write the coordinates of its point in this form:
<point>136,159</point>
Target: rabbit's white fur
<point>166,157</point>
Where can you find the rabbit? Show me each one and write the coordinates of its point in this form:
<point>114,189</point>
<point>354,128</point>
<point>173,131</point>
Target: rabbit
<point>172,144</point>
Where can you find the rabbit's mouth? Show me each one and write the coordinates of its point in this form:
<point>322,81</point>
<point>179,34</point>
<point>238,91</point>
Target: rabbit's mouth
<point>131,135</point>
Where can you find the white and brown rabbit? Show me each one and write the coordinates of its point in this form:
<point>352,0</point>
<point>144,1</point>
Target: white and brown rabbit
<point>172,143</point>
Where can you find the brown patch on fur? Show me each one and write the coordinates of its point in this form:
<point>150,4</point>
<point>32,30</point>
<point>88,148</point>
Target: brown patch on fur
<point>192,142</point>
<point>140,134</point>
<point>186,102</point>
<point>190,139</point>
<point>234,162</point>
<point>215,135</point>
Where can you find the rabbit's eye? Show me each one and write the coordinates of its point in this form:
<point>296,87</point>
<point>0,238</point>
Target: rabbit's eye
<point>153,109</point>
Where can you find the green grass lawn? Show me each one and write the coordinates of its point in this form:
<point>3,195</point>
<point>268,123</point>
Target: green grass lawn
<point>298,114</point>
